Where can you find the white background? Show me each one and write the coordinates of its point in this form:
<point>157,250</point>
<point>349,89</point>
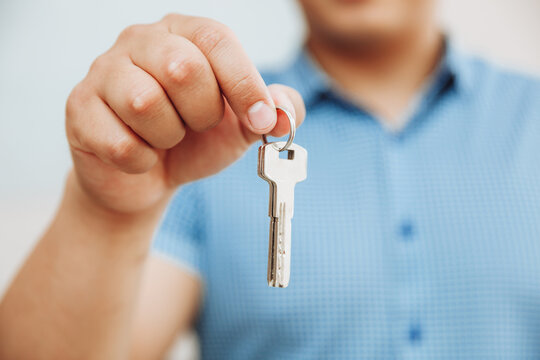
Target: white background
<point>46,47</point>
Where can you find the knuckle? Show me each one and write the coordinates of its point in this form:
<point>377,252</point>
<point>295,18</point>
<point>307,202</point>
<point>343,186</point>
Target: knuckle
<point>171,18</point>
<point>141,102</point>
<point>212,35</point>
<point>244,88</point>
<point>132,31</point>
<point>76,100</point>
<point>73,102</point>
<point>185,70</point>
<point>122,152</point>
<point>99,63</point>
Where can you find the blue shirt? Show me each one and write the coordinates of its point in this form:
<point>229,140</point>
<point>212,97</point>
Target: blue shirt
<point>417,244</point>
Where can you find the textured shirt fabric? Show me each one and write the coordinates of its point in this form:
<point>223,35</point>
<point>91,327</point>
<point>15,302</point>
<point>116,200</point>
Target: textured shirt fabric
<point>417,244</point>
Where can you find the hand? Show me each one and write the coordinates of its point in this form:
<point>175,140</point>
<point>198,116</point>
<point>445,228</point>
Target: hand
<point>169,103</point>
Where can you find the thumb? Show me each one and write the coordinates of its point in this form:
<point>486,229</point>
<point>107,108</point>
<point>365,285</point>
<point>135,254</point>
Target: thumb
<point>289,99</point>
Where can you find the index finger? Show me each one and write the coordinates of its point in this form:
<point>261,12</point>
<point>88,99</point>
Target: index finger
<point>237,76</point>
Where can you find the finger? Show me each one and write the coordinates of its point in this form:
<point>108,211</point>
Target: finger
<point>183,72</point>
<point>289,99</point>
<point>238,78</point>
<point>92,127</point>
<point>140,101</point>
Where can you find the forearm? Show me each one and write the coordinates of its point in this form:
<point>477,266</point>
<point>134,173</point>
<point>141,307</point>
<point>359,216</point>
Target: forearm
<point>75,295</point>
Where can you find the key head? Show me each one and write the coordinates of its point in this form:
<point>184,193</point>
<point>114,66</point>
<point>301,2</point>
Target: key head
<point>290,167</point>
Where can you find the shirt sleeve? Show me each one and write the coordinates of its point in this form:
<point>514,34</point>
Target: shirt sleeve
<point>179,236</point>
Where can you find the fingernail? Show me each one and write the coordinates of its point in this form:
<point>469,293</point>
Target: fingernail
<point>261,116</point>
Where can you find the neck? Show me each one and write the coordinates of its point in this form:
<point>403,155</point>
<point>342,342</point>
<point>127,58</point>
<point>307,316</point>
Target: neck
<point>383,79</point>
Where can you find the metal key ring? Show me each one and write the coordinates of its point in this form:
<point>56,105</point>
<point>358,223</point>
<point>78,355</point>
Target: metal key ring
<point>292,130</point>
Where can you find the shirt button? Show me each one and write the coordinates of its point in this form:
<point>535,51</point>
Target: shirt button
<point>406,230</point>
<point>415,334</point>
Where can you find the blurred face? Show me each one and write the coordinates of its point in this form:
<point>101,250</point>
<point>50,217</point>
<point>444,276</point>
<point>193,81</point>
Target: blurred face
<point>365,22</point>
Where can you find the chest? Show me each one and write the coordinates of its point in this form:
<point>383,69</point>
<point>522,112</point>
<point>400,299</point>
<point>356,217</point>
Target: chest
<point>384,216</point>
<point>385,235</point>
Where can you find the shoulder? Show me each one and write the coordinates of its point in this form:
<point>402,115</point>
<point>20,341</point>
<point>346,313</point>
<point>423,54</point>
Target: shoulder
<point>504,86</point>
<point>503,104</point>
<point>499,100</point>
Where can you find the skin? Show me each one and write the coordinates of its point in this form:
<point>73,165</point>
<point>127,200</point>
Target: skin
<point>377,52</point>
<point>168,104</point>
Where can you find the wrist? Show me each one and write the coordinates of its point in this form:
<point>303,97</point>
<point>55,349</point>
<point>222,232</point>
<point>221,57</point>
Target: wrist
<point>86,213</point>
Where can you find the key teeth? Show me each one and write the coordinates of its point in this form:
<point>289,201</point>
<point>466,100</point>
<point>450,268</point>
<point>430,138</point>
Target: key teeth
<point>272,283</point>
<point>276,282</point>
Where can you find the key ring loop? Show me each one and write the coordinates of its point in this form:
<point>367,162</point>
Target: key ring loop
<point>292,130</point>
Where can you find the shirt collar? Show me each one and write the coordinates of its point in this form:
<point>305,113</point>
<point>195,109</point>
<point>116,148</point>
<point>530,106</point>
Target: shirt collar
<point>312,82</point>
<point>454,65</point>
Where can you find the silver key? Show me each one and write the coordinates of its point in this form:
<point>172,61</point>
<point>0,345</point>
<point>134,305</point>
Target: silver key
<point>282,175</point>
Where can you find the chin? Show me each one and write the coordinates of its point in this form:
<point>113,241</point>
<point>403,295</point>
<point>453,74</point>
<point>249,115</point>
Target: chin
<point>359,33</point>
<point>365,21</point>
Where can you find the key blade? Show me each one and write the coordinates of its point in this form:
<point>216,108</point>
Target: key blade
<point>279,252</point>
<point>281,212</point>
